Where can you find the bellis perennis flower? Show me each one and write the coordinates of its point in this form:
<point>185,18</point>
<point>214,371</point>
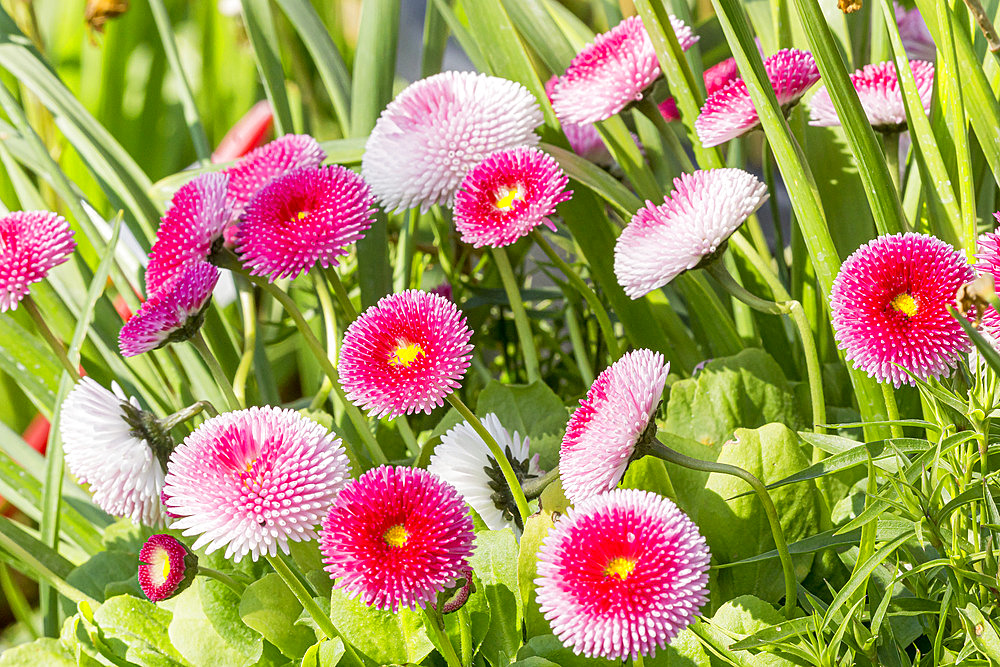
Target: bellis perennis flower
<point>880,95</point>
<point>260,166</point>
<point>166,567</point>
<point>32,243</point>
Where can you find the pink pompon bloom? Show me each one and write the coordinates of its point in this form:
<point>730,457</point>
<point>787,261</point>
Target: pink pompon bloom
<point>397,537</point>
<point>166,567</point>
<point>582,138</point>
<point>253,480</point>
<point>729,112</point>
<point>305,216</point>
<point>880,95</point>
<point>687,229</point>
<point>602,433</point>
<point>405,354</point>
<point>507,195</point>
<point>437,129</point>
<point>172,314</point>
<point>988,254</point>
<point>258,167</point>
<point>32,243</point>
<point>716,77</point>
<point>194,222</point>
<point>917,40</point>
<point>889,305</point>
<point>621,574</point>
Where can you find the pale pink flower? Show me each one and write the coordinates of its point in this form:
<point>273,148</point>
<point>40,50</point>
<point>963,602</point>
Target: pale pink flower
<point>880,94</point>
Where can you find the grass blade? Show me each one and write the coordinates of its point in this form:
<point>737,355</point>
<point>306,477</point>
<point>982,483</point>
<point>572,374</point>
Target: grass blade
<point>259,22</point>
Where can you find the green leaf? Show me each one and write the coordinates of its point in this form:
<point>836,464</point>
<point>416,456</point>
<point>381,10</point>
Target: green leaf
<point>103,569</point>
<point>25,357</point>
<point>45,651</point>
<point>384,636</point>
<point>259,22</point>
<point>981,631</point>
<point>270,608</point>
<point>495,563</point>
<point>197,638</point>
<point>743,616</point>
<point>324,654</point>
<point>533,410</point>
<point>142,626</point>
<point>535,530</point>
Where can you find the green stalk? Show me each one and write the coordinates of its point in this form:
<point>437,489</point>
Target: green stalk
<point>248,308</point>
<point>652,112</point>
<point>579,347</point>
<point>890,145</point>
<point>339,291</point>
<point>223,578</point>
<point>435,622</point>
<point>520,315</point>
<point>50,338</point>
<point>405,432</point>
<point>465,634</point>
<point>213,365</point>
<point>19,605</point>
<point>637,660</point>
<point>892,411</point>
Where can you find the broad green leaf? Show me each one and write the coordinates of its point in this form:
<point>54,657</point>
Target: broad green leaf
<point>324,654</point>
<point>197,638</point>
<point>651,474</point>
<point>535,530</point>
<point>142,626</point>
<point>270,608</point>
<point>532,410</point>
<point>103,569</point>
<point>981,631</point>
<point>384,636</point>
<point>222,607</point>
<point>743,616</point>
<point>495,563</point>
<point>45,651</point>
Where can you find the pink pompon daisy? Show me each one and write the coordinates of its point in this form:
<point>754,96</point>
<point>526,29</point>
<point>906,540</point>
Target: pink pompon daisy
<point>303,217</point>
<point>405,354</point>
<point>621,574</point>
<point>166,567</point>
<point>917,40</point>
<point>716,77</point>
<point>688,228</point>
<point>258,167</point>
<point>194,222</point>
<point>253,480</point>
<point>507,195</point>
<point>32,243</point>
<point>602,433</point>
<point>437,129</point>
<point>988,254</point>
<point>397,537</point>
<point>889,305</point>
<point>611,72</point>
<point>880,95</point>
<point>729,112</point>
<point>172,314</point>
<point>583,138</point>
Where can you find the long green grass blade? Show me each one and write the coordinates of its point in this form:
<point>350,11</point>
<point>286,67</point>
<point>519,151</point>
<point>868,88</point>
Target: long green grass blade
<point>259,22</point>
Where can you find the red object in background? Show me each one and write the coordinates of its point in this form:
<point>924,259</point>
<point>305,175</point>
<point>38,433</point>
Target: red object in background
<point>716,77</point>
<point>248,133</point>
<point>37,433</point>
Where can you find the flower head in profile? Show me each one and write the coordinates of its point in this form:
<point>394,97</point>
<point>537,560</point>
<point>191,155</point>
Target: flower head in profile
<point>166,567</point>
<point>729,112</point>
<point>108,446</point>
<point>881,98</point>
<point>260,166</point>
<point>889,305</point>
<point>988,256</point>
<point>716,77</point>
<point>582,137</point>
<point>32,243</point>
<point>305,216</point>
<point>507,195</point>
<point>437,129</point>
<point>602,434</point>
<point>253,480</point>
<point>612,71</point>
<point>405,354</point>
<point>396,537</point>
<point>704,210</point>
<point>621,574</point>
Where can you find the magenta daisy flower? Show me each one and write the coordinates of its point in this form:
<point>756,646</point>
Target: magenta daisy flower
<point>405,354</point>
<point>690,226</point>
<point>612,71</point>
<point>603,432</point>
<point>253,480</point>
<point>716,77</point>
<point>729,112</point>
<point>397,537</point>
<point>166,567</point>
<point>621,574</point>
<point>32,243</point>
<point>194,222</point>
<point>303,217</point>
<point>880,95</point>
<point>889,305</point>
<point>507,195</point>
<point>258,167</point>
<point>171,315</point>
<point>437,129</point>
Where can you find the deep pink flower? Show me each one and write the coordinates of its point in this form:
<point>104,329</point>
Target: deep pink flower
<point>405,354</point>
<point>729,112</point>
<point>704,210</point>
<point>507,195</point>
<point>603,432</point>
<point>397,537</point>
<point>253,480</point>
<point>258,167</point>
<point>166,567</point>
<point>716,77</point>
<point>32,243</point>
<point>303,217</point>
<point>612,71</point>
<point>621,574</point>
<point>172,314</point>
<point>880,95</point>
<point>889,305</point>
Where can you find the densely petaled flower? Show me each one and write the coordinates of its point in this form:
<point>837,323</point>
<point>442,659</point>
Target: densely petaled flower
<point>729,112</point>
<point>463,458</point>
<point>437,129</point>
<point>31,244</point>
<point>258,167</point>
<point>583,138</point>
<point>405,354</point>
<point>253,480</point>
<point>716,77</point>
<point>988,254</point>
<point>172,314</point>
<point>889,305</point>
<point>397,537</point>
<point>621,574</point>
<point>880,95</point>
<point>303,217</point>
<point>107,452</point>
<point>194,221</point>
<point>166,567</point>
<point>611,72</point>
<point>602,433</point>
<point>917,40</point>
<point>507,195</point>
<point>704,210</point>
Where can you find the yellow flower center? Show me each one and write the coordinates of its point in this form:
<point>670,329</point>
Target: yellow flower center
<point>904,303</point>
<point>396,536</point>
<point>166,568</point>
<point>620,567</point>
<point>405,354</point>
<point>302,215</point>
<point>507,196</point>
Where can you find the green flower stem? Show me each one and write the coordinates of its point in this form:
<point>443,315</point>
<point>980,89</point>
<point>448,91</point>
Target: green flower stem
<point>187,413</point>
<point>50,338</point>
<point>248,307</point>
<point>340,292</point>
<point>652,112</point>
<point>533,488</point>
<point>465,634</point>
<point>324,393</point>
<point>435,623</point>
<point>498,455</point>
<point>19,605</point>
<point>891,410</point>
<point>524,334</point>
<point>579,348</point>
<point>405,432</point>
<point>658,449</point>
<point>213,365</point>
<point>224,578</point>
<point>890,145</point>
<point>637,660</point>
